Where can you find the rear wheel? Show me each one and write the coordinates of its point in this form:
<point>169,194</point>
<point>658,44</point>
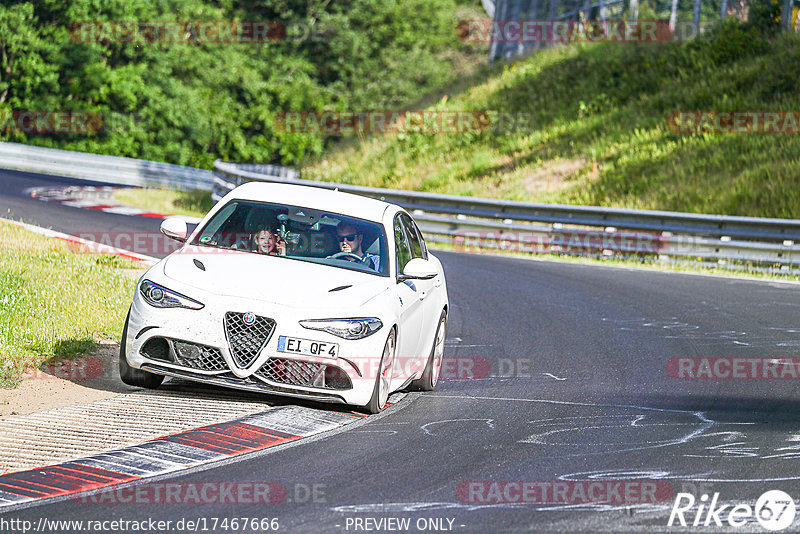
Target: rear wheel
<point>380,393</point>
<point>131,375</point>
<point>434,365</point>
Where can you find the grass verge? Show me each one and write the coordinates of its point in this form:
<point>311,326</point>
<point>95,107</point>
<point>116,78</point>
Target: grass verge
<point>190,203</point>
<point>56,303</point>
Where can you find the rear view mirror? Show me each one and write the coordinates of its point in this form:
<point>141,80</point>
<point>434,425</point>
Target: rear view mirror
<point>175,228</point>
<point>419,269</point>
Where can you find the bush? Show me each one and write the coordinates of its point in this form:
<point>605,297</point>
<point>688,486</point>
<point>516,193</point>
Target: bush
<point>765,16</point>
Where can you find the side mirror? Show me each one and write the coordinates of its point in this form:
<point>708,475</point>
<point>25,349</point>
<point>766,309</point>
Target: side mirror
<point>175,228</point>
<point>418,269</point>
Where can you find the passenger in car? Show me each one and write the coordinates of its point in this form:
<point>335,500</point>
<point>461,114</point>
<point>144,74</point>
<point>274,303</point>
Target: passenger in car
<point>350,239</point>
<point>268,241</point>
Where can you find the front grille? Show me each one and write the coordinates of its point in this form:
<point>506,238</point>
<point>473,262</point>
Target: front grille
<point>246,341</point>
<point>199,356</point>
<point>302,373</point>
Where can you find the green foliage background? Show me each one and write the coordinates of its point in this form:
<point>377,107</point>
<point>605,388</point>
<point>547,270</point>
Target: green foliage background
<point>192,103</point>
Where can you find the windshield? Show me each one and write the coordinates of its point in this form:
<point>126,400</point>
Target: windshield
<point>297,233</point>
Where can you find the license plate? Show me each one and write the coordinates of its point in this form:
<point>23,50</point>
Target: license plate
<point>307,347</point>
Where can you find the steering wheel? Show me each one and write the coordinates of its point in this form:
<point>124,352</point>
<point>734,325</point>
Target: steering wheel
<point>345,255</point>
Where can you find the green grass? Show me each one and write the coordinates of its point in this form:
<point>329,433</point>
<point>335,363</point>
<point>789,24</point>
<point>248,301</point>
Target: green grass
<point>595,131</point>
<point>192,203</point>
<point>56,303</point>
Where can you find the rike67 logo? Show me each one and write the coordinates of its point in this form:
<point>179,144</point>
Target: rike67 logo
<point>774,510</point>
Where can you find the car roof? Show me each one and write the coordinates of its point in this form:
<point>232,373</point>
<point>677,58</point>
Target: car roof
<point>314,198</point>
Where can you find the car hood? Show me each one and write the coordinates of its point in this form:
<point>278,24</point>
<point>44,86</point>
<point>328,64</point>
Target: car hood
<point>283,281</point>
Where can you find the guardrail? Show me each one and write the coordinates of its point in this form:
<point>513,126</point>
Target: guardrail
<point>108,169</point>
<point>473,223</point>
<point>227,176</point>
<point>557,228</point>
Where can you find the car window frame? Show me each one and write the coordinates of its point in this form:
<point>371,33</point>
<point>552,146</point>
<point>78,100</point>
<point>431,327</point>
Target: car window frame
<point>397,221</point>
<point>383,238</point>
<point>412,228</point>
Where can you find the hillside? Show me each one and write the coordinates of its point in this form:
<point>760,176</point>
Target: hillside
<point>592,128</point>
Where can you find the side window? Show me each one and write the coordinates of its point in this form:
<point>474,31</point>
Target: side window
<point>216,224</point>
<point>418,249</point>
<point>421,241</point>
<point>402,248</point>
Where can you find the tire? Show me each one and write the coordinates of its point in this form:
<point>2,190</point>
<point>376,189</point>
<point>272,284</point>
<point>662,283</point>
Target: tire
<point>433,367</point>
<point>380,392</point>
<point>131,375</point>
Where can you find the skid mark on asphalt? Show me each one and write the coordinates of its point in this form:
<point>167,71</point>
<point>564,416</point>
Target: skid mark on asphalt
<point>568,433</point>
<point>675,328</point>
<point>728,446</point>
<point>554,376</point>
<point>374,428</point>
<point>425,428</point>
<point>477,360</point>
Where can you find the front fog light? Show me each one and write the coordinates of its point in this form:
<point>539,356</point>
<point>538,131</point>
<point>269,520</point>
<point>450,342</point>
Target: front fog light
<point>187,350</point>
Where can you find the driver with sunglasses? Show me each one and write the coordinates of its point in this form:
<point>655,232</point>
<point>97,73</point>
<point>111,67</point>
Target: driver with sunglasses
<point>350,241</point>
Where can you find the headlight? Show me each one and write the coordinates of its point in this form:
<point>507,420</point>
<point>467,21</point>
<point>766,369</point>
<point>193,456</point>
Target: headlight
<point>161,297</point>
<point>346,328</point>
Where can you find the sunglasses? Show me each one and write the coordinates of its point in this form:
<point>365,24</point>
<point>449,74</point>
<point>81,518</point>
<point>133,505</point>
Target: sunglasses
<point>349,237</point>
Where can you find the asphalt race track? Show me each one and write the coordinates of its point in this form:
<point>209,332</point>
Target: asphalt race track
<point>16,204</point>
<point>556,374</point>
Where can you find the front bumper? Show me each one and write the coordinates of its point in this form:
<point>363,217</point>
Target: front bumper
<point>355,361</point>
<point>245,384</point>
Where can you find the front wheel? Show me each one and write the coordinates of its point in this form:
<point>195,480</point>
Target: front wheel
<point>433,367</point>
<point>131,375</point>
<point>380,393</point>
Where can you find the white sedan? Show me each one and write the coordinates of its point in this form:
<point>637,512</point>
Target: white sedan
<point>292,290</point>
